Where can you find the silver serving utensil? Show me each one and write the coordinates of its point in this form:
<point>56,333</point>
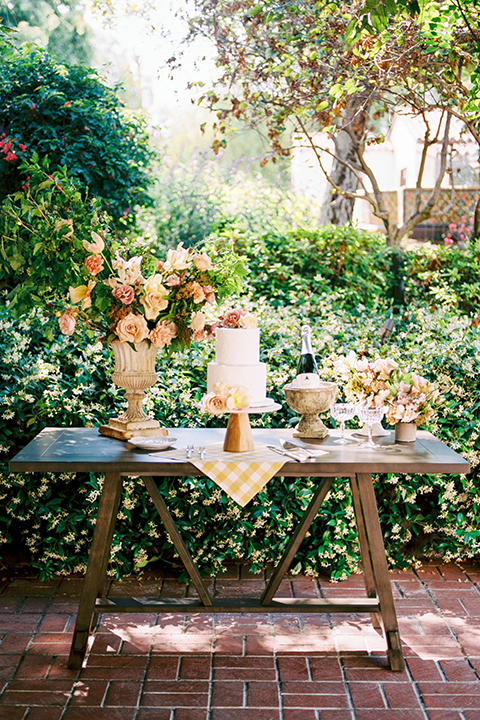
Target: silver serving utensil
<point>287,445</point>
<point>280,451</point>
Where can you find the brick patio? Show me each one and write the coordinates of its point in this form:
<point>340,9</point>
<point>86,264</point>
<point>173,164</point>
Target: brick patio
<point>243,667</point>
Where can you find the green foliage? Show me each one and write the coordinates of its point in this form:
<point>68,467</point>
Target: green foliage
<point>68,114</point>
<point>57,26</point>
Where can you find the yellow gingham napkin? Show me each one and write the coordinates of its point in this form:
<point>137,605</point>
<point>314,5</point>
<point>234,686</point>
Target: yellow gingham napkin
<point>240,474</point>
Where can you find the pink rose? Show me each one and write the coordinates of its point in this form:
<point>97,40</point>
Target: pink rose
<point>209,293</point>
<point>124,293</point>
<point>172,280</point>
<point>94,264</point>
<point>198,335</point>
<point>67,323</point>
<point>163,334</point>
<point>231,319</point>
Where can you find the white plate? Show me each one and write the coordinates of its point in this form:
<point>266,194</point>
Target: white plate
<point>153,443</point>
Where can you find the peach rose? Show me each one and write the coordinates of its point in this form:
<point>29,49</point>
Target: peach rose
<point>172,281</point>
<point>213,404</point>
<point>94,264</point>
<point>124,293</point>
<point>197,293</point>
<point>198,321</point>
<point>132,328</point>
<point>163,334</point>
<point>67,323</point>
<point>202,262</point>
<point>248,320</point>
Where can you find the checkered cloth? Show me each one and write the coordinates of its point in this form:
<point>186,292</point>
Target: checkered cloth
<point>240,474</point>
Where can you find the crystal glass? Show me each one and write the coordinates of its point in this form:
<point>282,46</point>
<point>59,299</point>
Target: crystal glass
<point>370,416</point>
<point>343,412</point>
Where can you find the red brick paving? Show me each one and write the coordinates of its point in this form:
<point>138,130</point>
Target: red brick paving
<point>244,667</point>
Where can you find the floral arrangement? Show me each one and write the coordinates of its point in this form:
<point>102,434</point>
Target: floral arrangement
<point>141,298</point>
<point>411,398</point>
<point>407,396</point>
<point>225,398</point>
<point>366,381</point>
<point>238,318</point>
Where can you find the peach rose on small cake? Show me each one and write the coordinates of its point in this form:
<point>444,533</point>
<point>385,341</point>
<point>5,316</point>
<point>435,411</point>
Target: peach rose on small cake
<point>248,321</point>
<point>132,328</point>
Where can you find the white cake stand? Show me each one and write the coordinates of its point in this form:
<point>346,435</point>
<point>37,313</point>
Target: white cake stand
<point>238,437</point>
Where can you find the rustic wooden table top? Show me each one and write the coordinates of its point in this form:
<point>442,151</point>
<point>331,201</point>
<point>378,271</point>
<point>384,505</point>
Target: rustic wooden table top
<point>84,449</point>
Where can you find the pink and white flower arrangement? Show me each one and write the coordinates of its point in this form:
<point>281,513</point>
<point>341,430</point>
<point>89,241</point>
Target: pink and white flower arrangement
<point>365,380</point>
<point>408,397</point>
<point>138,298</point>
<point>225,398</point>
<point>411,398</point>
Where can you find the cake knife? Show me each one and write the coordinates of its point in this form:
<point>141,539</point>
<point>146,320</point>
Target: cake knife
<point>280,451</point>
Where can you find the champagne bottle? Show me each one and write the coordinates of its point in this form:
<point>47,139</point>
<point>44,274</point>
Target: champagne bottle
<point>307,363</point>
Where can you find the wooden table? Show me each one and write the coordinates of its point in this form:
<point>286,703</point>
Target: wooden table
<point>84,450</point>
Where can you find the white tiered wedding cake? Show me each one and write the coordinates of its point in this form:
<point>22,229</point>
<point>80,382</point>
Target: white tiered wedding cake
<point>237,362</point>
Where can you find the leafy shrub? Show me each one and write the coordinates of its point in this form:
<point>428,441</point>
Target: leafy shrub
<point>46,384</point>
<point>68,114</point>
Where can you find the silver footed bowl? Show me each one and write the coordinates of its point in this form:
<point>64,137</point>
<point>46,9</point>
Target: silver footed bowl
<point>309,402</point>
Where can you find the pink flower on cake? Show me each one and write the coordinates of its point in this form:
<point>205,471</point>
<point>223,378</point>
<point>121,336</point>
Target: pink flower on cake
<point>94,264</point>
<point>163,334</point>
<point>124,293</point>
<point>202,262</point>
<point>132,328</point>
<point>231,318</point>
<point>67,323</point>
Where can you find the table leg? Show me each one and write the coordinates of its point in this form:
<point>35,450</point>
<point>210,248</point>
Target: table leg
<point>364,548</point>
<point>324,486</point>
<point>96,568</point>
<point>177,540</point>
<point>374,538</point>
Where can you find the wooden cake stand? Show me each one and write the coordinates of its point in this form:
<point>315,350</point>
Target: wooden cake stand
<point>238,437</point>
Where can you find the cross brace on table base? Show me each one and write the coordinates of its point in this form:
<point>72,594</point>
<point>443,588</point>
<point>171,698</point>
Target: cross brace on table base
<point>379,600</point>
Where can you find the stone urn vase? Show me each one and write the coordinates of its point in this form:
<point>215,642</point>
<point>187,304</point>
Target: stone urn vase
<point>309,402</point>
<point>135,372</point>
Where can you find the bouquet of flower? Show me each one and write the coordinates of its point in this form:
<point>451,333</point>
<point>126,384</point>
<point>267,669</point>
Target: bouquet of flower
<point>140,298</point>
<point>408,396</point>
<point>366,381</point>
<point>411,398</point>
<point>224,399</point>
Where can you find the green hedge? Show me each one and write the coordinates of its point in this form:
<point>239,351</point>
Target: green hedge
<point>45,384</point>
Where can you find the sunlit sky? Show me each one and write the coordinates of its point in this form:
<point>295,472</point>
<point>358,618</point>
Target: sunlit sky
<point>146,44</point>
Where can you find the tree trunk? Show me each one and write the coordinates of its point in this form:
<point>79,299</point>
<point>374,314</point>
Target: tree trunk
<point>336,208</point>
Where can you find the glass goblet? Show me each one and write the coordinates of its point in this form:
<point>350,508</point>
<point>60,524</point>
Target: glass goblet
<point>342,412</point>
<point>369,416</point>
